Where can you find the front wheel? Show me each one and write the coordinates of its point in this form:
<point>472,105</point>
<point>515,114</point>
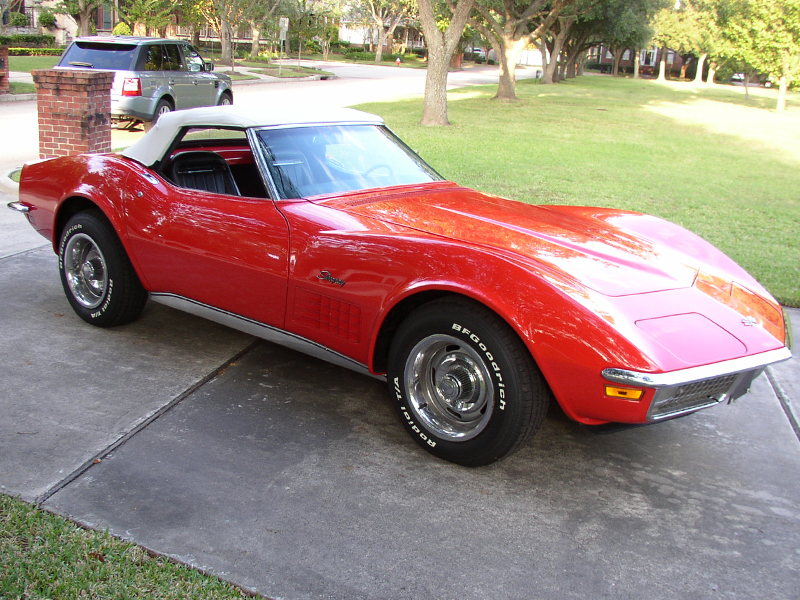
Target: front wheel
<point>225,100</point>
<point>98,278</point>
<point>464,384</point>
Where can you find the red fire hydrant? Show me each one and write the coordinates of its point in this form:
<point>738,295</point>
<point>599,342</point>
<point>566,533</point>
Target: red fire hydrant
<point>398,61</point>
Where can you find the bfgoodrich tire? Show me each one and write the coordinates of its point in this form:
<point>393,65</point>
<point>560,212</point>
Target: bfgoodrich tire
<point>464,384</point>
<point>98,278</point>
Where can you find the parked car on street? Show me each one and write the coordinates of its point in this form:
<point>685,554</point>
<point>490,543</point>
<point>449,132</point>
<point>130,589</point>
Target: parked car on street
<point>154,76</point>
<point>320,230</point>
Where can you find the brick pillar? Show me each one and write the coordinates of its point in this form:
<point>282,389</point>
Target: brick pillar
<point>5,81</point>
<point>74,111</point>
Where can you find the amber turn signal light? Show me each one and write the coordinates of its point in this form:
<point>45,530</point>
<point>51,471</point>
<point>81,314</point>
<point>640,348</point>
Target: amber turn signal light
<point>621,392</point>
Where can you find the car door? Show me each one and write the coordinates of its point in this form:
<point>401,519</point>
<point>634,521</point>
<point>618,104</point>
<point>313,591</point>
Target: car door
<point>227,252</point>
<point>153,78</point>
<point>204,82</point>
<point>180,79</point>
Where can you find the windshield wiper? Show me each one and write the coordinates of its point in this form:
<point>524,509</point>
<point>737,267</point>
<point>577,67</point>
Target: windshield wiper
<point>76,63</point>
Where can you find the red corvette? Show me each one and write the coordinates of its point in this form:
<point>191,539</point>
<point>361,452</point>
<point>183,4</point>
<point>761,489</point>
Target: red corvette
<point>323,232</point>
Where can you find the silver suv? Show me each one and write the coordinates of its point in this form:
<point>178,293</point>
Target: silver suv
<point>153,76</point>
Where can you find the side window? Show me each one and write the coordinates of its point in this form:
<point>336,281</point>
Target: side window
<point>173,61</point>
<point>216,160</point>
<point>154,58</point>
<point>193,59</point>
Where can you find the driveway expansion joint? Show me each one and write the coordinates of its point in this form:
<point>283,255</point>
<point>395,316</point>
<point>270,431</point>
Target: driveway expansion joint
<point>146,421</point>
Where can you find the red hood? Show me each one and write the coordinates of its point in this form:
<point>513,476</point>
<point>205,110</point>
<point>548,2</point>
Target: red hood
<point>612,252</point>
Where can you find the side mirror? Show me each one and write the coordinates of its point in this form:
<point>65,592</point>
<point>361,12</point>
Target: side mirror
<point>209,66</point>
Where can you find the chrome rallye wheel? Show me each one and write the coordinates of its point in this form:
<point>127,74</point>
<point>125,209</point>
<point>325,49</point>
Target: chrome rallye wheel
<point>464,384</point>
<point>96,274</point>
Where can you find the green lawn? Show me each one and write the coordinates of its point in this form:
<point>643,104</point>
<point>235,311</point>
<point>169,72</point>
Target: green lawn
<point>45,556</point>
<point>708,159</point>
<point>25,64</point>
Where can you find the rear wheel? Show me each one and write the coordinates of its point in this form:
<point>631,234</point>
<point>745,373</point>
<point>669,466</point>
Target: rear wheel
<point>97,276</point>
<point>163,107</point>
<point>464,384</point>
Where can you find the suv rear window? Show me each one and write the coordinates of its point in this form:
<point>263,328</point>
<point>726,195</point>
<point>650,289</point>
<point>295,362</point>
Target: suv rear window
<point>113,57</point>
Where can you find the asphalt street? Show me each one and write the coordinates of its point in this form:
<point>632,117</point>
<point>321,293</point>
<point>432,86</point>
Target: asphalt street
<point>294,478</point>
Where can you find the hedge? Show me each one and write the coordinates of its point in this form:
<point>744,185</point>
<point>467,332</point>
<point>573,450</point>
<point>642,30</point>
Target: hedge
<point>21,40</point>
<point>35,51</point>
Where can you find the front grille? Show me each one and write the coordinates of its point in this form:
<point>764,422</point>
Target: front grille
<point>692,396</point>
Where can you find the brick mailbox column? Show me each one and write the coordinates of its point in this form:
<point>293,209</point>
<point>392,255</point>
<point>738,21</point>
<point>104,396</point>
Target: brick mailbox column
<point>5,82</point>
<point>74,111</point>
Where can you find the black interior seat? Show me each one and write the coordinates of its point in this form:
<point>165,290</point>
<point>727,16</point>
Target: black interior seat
<point>203,170</point>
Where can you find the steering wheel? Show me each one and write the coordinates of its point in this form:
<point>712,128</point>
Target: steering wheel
<point>369,171</point>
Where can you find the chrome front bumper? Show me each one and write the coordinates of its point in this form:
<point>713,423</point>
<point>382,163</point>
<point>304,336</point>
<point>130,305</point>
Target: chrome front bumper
<point>681,392</point>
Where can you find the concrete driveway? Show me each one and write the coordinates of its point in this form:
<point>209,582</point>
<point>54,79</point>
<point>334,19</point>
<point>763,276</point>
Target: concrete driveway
<point>294,478</point>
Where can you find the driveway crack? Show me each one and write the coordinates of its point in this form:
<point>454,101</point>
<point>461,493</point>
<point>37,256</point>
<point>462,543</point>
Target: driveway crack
<point>142,424</point>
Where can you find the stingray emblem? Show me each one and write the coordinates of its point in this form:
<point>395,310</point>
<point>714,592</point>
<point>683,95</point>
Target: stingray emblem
<point>326,276</point>
<point>749,321</point>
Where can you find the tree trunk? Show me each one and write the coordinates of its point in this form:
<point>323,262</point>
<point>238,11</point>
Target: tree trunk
<point>562,70</point>
<point>662,65</point>
<point>256,47</point>
<point>783,85</point>
<point>441,46</point>
<point>508,53</point>
<point>434,109</point>
<point>381,42</point>
<point>712,71</point>
<point>582,63</point>
<point>747,85</point>
<point>618,53</point>
<point>636,58</point>
<point>225,40</point>
<point>698,76</point>
<point>572,68</point>
<point>783,82</point>
<point>196,36</point>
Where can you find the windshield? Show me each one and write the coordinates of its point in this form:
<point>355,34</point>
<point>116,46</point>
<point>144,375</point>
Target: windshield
<point>113,57</point>
<point>329,159</point>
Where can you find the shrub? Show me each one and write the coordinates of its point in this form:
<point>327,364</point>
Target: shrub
<point>47,19</point>
<point>16,19</point>
<point>121,29</point>
<point>22,40</point>
<point>34,51</point>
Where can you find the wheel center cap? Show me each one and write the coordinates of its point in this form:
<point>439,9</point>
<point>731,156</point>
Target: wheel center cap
<point>449,387</point>
<point>87,270</point>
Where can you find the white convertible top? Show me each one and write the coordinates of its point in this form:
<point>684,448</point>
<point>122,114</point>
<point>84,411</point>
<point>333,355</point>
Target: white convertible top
<point>156,142</point>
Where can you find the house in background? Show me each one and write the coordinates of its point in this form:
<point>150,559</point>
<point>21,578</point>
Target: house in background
<point>600,58</point>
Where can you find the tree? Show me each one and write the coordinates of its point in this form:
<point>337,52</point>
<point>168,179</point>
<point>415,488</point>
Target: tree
<point>441,43</point>
<point>510,26</point>
<point>259,14</point>
<point>386,16</point>
<point>627,25</point>
<point>224,16</point>
<point>80,11</point>
<point>151,14</point>
<point>766,35</point>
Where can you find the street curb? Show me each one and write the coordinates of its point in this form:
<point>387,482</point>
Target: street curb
<point>17,97</point>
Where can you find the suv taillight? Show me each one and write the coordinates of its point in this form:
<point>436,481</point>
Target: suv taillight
<point>132,87</point>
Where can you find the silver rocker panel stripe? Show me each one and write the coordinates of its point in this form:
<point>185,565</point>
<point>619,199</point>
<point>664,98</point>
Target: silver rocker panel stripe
<point>266,332</point>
